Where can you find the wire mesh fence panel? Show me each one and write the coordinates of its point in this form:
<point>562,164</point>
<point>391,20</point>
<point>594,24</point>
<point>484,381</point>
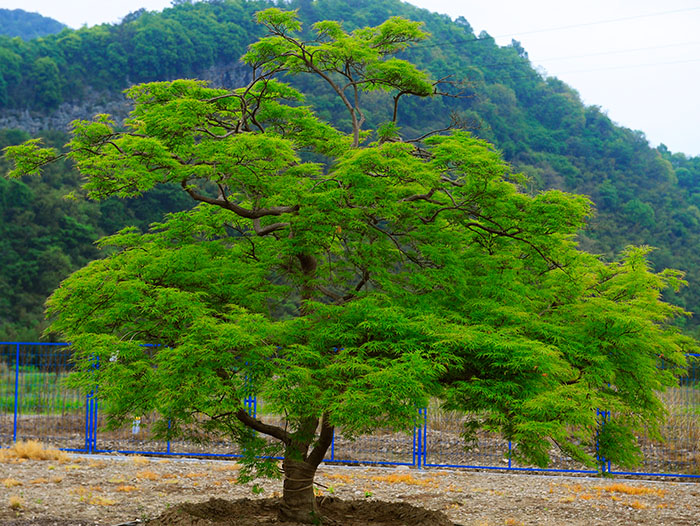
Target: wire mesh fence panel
<point>678,451</point>
<point>381,447</point>
<point>36,404</point>
<point>8,356</point>
<point>558,462</point>
<point>135,437</point>
<point>47,410</point>
<point>443,444</point>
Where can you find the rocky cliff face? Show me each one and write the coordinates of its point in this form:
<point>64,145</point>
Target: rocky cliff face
<point>114,104</point>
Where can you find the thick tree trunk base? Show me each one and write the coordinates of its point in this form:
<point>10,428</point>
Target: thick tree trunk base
<point>298,499</point>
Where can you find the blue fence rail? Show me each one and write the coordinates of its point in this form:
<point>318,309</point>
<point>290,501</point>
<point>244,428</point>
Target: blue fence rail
<point>34,404</point>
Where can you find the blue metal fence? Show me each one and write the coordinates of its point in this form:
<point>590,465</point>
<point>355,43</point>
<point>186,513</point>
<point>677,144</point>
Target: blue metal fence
<point>35,405</point>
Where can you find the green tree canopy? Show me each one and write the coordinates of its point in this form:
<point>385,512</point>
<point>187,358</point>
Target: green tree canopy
<point>347,278</point>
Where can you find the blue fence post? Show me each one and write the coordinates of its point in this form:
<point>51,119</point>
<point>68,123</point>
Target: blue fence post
<point>418,439</point>
<point>333,446</point>
<point>603,417</point>
<point>510,454</point>
<point>425,436</point>
<point>168,443</point>
<point>87,421</point>
<point>14,429</point>
<point>93,446</point>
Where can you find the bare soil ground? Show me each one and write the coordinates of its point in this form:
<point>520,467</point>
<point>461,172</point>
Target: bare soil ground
<point>104,490</point>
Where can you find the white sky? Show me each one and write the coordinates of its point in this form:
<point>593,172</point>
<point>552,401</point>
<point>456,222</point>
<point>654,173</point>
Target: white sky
<point>637,59</point>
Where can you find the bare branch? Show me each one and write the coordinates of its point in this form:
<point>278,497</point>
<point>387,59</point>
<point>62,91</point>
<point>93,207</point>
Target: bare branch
<point>273,431</point>
<point>239,210</point>
<point>268,229</point>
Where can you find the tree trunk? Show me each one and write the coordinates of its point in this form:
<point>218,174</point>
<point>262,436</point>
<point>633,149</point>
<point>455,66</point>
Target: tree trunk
<point>298,499</point>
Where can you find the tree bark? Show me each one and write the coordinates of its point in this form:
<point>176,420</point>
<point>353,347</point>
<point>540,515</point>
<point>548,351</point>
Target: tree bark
<point>298,499</point>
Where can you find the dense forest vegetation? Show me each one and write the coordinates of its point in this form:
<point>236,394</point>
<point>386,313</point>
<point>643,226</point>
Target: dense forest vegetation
<point>19,23</point>
<point>642,195</point>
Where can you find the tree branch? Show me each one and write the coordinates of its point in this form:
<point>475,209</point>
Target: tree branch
<point>324,442</point>
<point>273,431</point>
<point>239,210</point>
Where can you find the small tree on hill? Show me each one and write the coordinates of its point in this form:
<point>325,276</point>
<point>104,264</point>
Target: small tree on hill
<point>348,277</point>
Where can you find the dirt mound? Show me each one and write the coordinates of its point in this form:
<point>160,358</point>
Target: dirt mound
<point>247,512</point>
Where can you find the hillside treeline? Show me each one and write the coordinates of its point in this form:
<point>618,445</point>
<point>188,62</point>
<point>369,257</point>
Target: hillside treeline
<point>20,23</point>
<point>642,195</point>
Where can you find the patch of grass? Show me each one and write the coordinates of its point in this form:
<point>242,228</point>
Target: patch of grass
<point>140,461</point>
<point>147,474</point>
<point>405,478</point>
<point>32,450</point>
<point>15,503</point>
<point>127,488</point>
<point>10,483</point>
<point>626,489</point>
<point>102,501</point>
<point>341,477</point>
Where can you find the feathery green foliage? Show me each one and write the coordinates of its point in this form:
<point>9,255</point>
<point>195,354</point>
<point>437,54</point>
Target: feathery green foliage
<point>347,278</point>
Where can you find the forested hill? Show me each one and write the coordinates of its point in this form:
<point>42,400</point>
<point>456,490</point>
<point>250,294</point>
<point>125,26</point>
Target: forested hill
<point>19,23</point>
<point>643,195</point>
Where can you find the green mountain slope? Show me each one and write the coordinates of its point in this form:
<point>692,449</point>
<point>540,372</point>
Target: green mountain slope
<point>20,23</point>
<point>643,195</point>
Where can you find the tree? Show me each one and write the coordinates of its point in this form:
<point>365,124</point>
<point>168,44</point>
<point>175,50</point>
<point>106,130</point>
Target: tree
<point>347,278</point>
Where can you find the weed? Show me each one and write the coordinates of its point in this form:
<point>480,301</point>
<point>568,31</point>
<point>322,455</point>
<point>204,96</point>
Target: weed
<point>126,489</point>
<point>633,490</point>
<point>147,474</point>
<point>140,461</point>
<point>32,450</point>
<point>9,483</point>
<point>405,478</point>
<point>15,503</point>
<point>102,501</point>
<point>346,479</point>
<point>39,481</point>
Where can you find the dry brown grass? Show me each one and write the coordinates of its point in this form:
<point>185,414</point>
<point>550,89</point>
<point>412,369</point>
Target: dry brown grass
<point>147,474</point>
<point>15,502</point>
<point>340,477</point>
<point>405,478</point>
<point>127,488</point>
<point>626,489</point>
<point>32,450</point>
<point>102,501</point>
<point>11,483</point>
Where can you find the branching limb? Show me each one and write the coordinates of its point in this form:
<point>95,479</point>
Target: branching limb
<point>239,210</point>
<point>323,443</point>
<point>257,425</point>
